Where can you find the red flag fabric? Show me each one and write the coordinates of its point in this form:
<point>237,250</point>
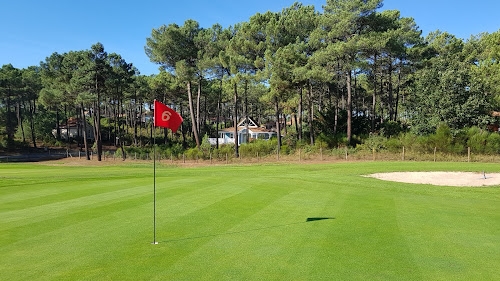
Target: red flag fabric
<point>166,117</point>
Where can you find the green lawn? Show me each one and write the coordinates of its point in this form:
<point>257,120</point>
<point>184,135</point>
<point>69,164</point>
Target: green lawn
<point>245,223</point>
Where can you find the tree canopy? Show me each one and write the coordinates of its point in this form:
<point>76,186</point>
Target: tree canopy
<point>335,74</point>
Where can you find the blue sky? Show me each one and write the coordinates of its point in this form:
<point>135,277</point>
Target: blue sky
<point>32,30</point>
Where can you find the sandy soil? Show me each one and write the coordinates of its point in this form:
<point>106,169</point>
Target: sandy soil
<point>442,178</point>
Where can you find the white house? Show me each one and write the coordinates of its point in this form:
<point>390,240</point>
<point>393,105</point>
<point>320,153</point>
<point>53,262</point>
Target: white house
<point>74,129</point>
<point>254,132</point>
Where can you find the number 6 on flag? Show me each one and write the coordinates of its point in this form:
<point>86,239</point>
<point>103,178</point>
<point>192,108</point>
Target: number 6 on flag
<point>166,117</point>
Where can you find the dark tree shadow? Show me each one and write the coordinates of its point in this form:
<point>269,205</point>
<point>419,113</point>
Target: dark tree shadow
<point>319,219</point>
<point>249,230</point>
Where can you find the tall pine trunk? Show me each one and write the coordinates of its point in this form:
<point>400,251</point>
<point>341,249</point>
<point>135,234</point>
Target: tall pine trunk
<point>381,98</point>
<point>84,123</point>
<point>218,114</point>
<point>66,122</point>
<point>140,124</point>
<point>98,127</point>
<point>191,111</point>
<point>349,107</point>
<point>32,122</point>
<point>296,124</point>
<point>278,125</point>
<point>58,130</point>
<point>20,119</point>
<point>391,97</point>
<point>198,102</point>
<point>310,114</point>
<point>374,96</point>
<point>397,92</point>
<point>247,136</point>
<point>336,118</point>
<point>235,121</point>
<point>300,114</point>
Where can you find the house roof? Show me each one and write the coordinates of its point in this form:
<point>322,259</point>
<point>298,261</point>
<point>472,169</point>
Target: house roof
<point>73,122</point>
<point>255,130</point>
<point>251,123</point>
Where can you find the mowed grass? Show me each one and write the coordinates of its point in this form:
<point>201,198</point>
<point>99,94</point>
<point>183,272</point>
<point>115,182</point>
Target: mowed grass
<point>245,223</point>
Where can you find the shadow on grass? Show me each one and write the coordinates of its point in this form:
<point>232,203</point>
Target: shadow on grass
<point>249,230</point>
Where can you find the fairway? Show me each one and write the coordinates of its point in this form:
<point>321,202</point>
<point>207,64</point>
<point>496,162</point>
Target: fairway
<point>256,222</point>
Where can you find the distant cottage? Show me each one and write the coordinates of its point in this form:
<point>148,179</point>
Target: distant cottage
<point>226,136</point>
<point>74,129</point>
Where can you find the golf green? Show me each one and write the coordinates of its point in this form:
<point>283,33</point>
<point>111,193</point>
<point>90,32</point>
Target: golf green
<point>257,222</point>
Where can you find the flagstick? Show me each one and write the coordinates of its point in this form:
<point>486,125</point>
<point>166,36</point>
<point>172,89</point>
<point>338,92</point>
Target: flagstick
<point>154,182</point>
<point>163,121</point>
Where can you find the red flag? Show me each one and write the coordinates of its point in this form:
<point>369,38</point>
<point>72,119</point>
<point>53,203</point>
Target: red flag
<point>166,117</point>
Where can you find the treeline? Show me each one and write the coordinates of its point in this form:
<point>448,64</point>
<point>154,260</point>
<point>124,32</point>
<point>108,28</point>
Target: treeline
<point>337,76</point>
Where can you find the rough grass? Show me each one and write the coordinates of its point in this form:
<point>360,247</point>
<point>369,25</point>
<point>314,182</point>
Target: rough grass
<point>245,223</point>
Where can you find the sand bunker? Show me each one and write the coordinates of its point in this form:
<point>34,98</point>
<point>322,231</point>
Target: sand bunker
<point>442,178</point>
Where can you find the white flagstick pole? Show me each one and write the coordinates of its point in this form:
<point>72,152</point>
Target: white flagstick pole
<point>154,177</point>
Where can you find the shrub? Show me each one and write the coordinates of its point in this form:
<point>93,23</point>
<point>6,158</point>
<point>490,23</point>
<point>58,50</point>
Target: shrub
<point>477,139</point>
<point>193,153</point>
<point>493,143</point>
<point>223,150</point>
<point>205,146</point>
<point>374,141</point>
<point>263,147</point>
<point>393,144</point>
<point>284,149</point>
<point>442,139</point>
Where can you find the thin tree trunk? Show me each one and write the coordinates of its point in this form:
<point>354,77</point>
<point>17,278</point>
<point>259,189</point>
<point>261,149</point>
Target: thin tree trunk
<point>66,122</point>
<point>391,97</point>
<point>140,124</point>
<point>134,120</point>
<point>296,124</point>
<point>114,107</point>
<point>127,118</point>
<point>58,130</point>
<point>93,116</point>
<point>235,120</point>
<point>381,99</point>
<point>349,107</point>
<point>205,115</point>
<point>336,121</point>
<point>32,122</point>
<point>374,96</point>
<point>198,102</point>
<point>278,127</point>
<point>285,124</point>
<point>20,119</point>
<point>300,114</point>
<point>329,91</point>
<point>310,114</point>
<point>218,114</point>
<point>320,103</point>
<point>84,123</point>
<point>117,124</point>
<point>98,128</point>
<point>354,94</point>
<point>247,137</point>
<point>151,141</point>
<point>397,92</point>
<point>191,110</point>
